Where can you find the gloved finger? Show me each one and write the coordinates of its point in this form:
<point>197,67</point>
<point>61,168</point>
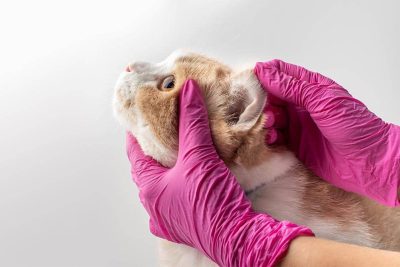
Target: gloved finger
<point>275,117</point>
<point>281,85</point>
<point>274,137</point>
<point>298,72</point>
<point>144,169</point>
<point>194,129</point>
<point>299,92</point>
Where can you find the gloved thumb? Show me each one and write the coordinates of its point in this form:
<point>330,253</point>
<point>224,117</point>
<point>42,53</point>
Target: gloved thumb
<point>194,129</point>
<point>293,84</point>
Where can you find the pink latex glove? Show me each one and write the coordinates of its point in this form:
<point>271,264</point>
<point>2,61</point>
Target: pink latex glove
<point>199,203</point>
<point>335,135</point>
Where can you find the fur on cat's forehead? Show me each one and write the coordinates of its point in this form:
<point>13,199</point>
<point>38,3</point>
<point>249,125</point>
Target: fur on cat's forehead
<point>167,65</point>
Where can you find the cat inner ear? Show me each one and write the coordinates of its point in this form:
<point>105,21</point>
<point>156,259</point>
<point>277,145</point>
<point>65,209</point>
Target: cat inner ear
<point>247,101</point>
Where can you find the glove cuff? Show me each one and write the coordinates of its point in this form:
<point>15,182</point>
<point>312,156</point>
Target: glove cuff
<point>255,240</point>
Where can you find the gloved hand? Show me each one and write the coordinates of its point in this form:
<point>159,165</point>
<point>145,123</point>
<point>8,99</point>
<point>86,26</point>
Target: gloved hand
<point>199,203</point>
<point>334,134</point>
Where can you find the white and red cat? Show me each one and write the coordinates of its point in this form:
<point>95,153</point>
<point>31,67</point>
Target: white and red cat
<point>276,182</point>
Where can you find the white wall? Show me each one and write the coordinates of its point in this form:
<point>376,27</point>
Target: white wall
<point>66,196</point>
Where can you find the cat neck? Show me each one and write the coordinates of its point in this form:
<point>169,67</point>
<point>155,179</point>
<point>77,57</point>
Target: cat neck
<point>270,166</point>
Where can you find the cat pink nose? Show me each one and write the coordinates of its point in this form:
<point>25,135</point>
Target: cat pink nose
<point>129,68</point>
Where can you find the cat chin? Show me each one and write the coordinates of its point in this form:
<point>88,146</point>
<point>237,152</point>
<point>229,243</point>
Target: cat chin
<point>150,144</point>
<point>145,137</point>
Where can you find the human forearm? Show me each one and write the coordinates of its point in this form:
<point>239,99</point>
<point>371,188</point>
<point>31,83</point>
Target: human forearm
<point>313,252</point>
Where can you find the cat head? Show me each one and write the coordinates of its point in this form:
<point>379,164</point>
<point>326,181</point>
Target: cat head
<point>146,103</point>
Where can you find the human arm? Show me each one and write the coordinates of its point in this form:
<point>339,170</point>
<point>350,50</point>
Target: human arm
<point>315,252</point>
<point>332,133</point>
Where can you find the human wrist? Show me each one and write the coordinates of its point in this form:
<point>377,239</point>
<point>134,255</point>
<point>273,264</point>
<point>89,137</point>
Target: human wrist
<point>255,240</point>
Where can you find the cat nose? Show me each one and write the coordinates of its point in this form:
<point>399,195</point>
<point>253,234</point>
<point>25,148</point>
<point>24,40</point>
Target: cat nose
<point>129,68</point>
<point>137,67</point>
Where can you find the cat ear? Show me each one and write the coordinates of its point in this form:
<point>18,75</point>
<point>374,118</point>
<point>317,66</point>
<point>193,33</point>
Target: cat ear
<point>247,101</point>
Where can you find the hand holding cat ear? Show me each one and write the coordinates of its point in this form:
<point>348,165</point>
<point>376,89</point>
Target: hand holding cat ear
<point>198,202</point>
<point>334,134</point>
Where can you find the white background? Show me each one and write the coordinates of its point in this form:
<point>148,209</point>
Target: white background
<point>66,196</point>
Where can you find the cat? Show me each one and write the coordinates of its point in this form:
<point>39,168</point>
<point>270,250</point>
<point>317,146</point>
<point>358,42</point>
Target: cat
<point>146,104</point>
